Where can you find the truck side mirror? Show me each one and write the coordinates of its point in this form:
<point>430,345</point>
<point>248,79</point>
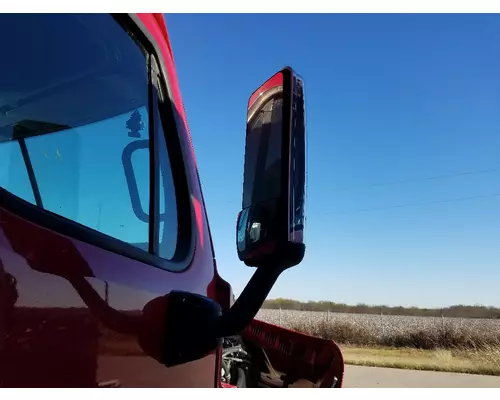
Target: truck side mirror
<point>269,232</point>
<point>269,228</point>
<point>271,224</point>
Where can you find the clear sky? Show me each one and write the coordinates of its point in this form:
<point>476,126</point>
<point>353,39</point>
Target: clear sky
<point>403,115</point>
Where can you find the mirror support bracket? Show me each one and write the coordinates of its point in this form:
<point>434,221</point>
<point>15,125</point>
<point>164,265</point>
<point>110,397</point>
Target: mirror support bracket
<point>251,299</point>
<point>196,324</point>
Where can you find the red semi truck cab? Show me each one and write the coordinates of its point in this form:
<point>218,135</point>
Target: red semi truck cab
<point>107,268</point>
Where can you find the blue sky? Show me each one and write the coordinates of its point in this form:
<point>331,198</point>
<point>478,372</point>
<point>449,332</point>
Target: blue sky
<point>403,115</point>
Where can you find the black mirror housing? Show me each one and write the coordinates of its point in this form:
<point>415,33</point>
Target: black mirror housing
<point>270,227</point>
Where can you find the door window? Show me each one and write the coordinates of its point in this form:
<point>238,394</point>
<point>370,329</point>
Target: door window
<point>75,128</point>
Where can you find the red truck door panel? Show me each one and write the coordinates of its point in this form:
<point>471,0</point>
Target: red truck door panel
<point>82,262</point>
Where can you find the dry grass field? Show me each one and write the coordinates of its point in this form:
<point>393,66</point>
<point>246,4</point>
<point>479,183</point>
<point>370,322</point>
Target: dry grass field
<point>426,343</point>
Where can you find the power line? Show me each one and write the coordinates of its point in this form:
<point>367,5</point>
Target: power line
<point>484,196</point>
<point>411,180</point>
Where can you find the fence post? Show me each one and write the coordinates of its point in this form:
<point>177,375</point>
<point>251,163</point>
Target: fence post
<point>445,337</point>
<point>382,322</point>
<point>327,316</point>
<point>280,316</point>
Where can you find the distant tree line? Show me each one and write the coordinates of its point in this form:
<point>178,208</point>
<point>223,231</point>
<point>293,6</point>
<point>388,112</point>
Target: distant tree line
<point>461,311</point>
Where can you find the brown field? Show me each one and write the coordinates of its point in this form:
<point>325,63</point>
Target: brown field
<point>406,342</point>
<point>390,330</point>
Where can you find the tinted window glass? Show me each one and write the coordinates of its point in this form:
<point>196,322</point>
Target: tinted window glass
<point>78,111</point>
<point>168,205</point>
<point>13,173</point>
<point>80,176</point>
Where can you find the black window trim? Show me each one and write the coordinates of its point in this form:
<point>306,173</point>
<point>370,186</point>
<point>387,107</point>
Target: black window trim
<point>153,158</point>
<point>185,211</point>
<point>177,146</point>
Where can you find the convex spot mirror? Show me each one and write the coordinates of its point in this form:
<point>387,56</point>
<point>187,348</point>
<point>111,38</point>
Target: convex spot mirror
<point>270,226</point>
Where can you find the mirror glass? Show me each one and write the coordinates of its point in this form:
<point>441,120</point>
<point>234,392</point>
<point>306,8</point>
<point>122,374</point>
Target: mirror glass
<point>263,174</point>
<point>263,171</point>
<point>274,176</point>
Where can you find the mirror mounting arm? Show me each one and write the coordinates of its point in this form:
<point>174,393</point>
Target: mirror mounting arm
<point>251,299</point>
<point>197,324</point>
<point>248,304</point>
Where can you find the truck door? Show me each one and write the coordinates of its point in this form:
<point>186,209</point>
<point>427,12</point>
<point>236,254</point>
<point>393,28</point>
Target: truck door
<point>101,212</point>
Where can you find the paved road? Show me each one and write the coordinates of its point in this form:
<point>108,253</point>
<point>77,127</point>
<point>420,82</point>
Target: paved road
<point>145,372</point>
<point>371,377</point>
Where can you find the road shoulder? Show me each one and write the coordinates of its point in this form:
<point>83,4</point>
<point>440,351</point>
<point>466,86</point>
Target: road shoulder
<point>375,377</point>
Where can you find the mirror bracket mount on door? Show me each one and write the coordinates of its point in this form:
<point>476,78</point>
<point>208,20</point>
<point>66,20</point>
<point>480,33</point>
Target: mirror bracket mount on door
<point>195,324</point>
